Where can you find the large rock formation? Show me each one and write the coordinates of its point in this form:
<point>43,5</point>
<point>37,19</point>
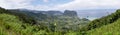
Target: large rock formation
<point>70,13</point>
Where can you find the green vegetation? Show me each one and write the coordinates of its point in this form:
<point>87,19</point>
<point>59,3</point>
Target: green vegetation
<point>11,24</point>
<point>103,21</point>
<point>19,23</point>
<point>111,29</point>
<point>15,22</point>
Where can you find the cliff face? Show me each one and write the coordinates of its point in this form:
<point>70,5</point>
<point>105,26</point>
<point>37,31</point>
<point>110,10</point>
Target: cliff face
<point>70,13</point>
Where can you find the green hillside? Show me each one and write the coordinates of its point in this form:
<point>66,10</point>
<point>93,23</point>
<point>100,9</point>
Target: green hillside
<point>97,23</point>
<point>111,29</point>
<point>11,25</point>
<point>108,25</point>
<point>8,23</point>
<point>17,23</point>
<point>20,23</point>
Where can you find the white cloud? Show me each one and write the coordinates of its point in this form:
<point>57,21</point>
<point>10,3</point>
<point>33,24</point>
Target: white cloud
<point>14,3</point>
<point>74,5</point>
<point>89,4</point>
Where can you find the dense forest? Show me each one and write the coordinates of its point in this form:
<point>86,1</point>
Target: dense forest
<point>30,22</point>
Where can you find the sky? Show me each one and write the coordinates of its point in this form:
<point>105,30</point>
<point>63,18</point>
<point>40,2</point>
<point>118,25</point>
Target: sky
<point>60,4</point>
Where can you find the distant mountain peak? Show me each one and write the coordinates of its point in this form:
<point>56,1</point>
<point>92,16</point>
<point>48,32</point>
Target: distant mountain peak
<point>70,13</point>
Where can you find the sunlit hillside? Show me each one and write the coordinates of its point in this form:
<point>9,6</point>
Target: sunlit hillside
<point>110,29</point>
<point>59,17</point>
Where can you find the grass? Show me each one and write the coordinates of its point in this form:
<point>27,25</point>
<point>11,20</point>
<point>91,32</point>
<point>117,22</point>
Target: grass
<point>11,25</point>
<point>111,29</point>
<point>6,23</point>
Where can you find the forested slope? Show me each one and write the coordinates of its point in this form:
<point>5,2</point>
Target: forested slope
<point>103,21</point>
<point>110,29</point>
<point>23,23</point>
<point>20,23</point>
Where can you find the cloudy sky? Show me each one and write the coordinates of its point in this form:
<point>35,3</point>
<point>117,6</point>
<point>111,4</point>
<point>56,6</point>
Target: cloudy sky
<point>60,4</point>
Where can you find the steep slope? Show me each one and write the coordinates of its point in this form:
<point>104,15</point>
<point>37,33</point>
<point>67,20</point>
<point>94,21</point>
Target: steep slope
<point>28,14</point>
<point>103,21</point>
<point>22,16</point>
<point>15,22</point>
<point>111,29</point>
<point>9,24</point>
<point>49,18</point>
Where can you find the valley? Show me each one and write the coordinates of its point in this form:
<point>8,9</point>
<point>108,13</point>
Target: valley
<point>32,22</point>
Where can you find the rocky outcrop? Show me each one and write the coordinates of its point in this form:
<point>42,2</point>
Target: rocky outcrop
<point>70,13</point>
